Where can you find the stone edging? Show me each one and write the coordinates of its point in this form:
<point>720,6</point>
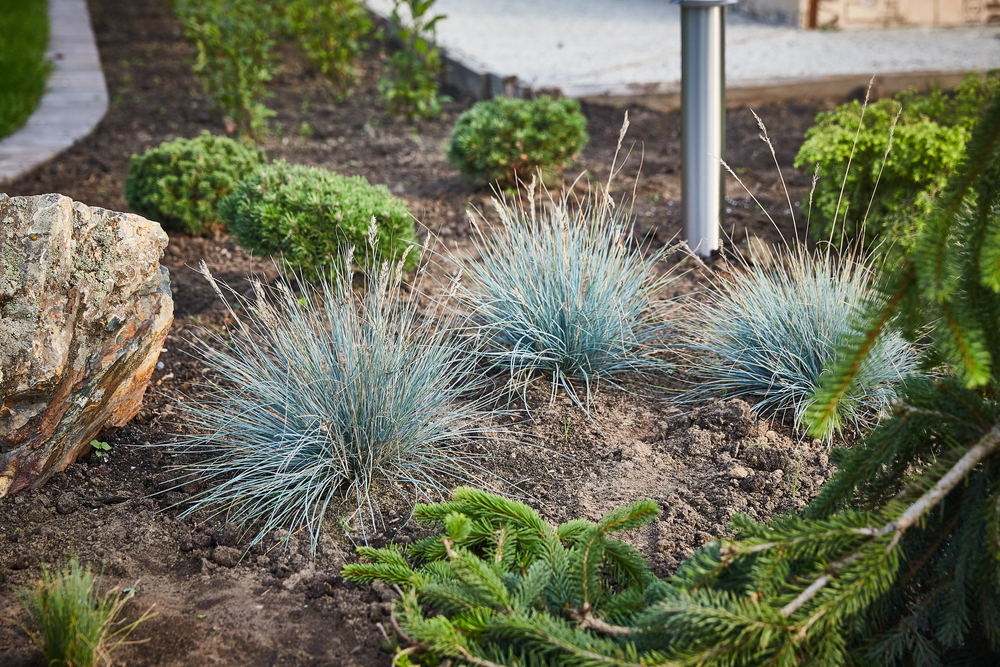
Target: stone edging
<point>76,96</point>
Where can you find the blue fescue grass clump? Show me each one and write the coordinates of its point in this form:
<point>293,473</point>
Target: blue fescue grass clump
<point>770,332</point>
<point>563,293</point>
<point>326,393</point>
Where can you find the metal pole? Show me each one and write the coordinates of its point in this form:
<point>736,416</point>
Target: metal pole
<point>703,120</point>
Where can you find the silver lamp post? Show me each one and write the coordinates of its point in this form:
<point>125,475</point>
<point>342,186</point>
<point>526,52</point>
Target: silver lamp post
<point>703,120</point>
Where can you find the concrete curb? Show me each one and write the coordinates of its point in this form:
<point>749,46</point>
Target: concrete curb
<point>76,98</point>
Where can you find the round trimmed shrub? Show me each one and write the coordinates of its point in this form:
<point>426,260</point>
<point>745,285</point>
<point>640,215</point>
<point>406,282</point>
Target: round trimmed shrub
<point>181,182</point>
<point>507,140</point>
<point>310,216</point>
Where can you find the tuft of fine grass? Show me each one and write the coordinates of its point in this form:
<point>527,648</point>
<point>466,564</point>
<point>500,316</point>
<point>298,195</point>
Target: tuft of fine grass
<point>562,293</point>
<point>24,36</point>
<point>71,623</point>
<point>326,394</point>
<point>770,332</point>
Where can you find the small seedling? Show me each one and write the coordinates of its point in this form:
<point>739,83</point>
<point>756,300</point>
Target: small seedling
<point>101,449</point>
<point>71,622</point>
<point>566,430</point>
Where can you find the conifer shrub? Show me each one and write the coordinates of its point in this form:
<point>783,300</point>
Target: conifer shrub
<point>501,586</point>
<point>180,183</point>
<point>310,215</point>
<point>331,33</point>
<point>564,294</point>
<point>770,333</point>
<point>70,621</point>
<point>507,140</point>
<point>893,563</point>
<point>882,199</point>
<point>323,397</point>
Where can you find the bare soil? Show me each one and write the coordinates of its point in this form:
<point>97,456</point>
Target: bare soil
<point>280,606</point>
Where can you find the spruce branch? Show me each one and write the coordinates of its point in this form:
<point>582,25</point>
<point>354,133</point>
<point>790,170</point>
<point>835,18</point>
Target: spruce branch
<point>982,449</point>
<point>818,584</point>
<point>587,621</point>
<point>822,413</point>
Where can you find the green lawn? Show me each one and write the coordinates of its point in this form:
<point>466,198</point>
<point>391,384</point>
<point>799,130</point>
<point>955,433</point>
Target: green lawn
<point>24,35</point>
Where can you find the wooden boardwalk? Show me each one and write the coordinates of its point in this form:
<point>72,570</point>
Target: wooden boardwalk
<point>76,97</point>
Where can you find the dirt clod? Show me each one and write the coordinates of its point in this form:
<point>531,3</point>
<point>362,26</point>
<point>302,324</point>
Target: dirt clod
<point>226,556</point>
<point>67,503</point>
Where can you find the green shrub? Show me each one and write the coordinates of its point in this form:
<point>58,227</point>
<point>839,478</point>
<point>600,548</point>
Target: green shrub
<point>181,182</point>
<point>24,35</point>
<point>926,145</point>
<point>234,40</point>
<point>70,622</point>
<point>507,140</point>
<point>330,32</point>
<point>410,85</point>
<point>310,215</point>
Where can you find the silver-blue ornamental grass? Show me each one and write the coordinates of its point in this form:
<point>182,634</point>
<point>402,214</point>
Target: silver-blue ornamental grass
<point>769,332</point>
<point>324,394</point>
<point>563,293</point>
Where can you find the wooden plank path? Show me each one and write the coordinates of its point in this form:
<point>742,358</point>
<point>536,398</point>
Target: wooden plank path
<point>76,97</point>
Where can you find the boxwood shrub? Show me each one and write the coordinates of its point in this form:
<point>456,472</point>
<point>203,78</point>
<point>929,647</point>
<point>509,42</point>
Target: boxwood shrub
<point>310,215</point>
<point>180,183</point>
<point>506,140</point>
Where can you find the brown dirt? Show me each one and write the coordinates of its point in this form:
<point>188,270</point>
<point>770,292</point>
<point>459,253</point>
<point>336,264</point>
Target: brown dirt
<point>278,606</point>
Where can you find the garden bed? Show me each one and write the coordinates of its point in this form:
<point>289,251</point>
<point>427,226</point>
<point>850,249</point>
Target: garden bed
<point>280,607</point>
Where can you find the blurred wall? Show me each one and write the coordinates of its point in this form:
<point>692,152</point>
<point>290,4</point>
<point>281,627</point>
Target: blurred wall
<point>862,14</point>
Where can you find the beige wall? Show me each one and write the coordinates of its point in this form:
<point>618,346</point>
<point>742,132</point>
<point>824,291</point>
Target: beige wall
<point>861,14</point>
<point>850,14</point>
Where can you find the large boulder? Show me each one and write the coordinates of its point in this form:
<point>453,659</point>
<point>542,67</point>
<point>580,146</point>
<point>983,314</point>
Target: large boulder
<point>84,309</point>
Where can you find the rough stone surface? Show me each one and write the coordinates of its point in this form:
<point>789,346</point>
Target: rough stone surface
<point>84,309</point>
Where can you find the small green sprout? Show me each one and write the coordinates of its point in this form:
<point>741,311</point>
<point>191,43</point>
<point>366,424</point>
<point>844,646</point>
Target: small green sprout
<point>101,449</point>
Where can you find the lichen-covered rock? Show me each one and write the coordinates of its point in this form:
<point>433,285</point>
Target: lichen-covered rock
<point>84,309</point>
